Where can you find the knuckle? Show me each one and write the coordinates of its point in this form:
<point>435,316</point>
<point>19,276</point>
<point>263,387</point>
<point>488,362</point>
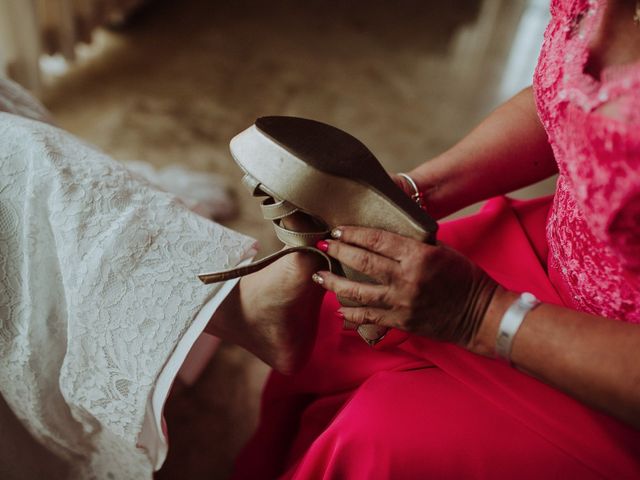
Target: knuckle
<point>359,297</point>
<point>374,240</point>
<point>373,316</point>
<point>363,261</point>
<point>370,298</point>
<point>353,293</point>
<point>359,316</point>
<point>349,292</point>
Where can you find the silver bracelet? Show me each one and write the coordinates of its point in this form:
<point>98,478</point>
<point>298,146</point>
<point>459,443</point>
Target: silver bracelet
<point>511,322</point>
<point>417,194</point>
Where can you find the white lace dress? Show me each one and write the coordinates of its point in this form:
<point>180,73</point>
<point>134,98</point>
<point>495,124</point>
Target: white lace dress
<point>99,302</point>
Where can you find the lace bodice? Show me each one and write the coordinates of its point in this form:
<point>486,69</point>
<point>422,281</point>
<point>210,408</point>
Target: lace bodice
<point>593,125</point>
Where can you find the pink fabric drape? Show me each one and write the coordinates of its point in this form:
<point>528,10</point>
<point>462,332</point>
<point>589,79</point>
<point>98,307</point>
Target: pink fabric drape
<point>424,409</point>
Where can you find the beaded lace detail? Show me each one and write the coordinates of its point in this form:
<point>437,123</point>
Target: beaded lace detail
<point>593,126</point>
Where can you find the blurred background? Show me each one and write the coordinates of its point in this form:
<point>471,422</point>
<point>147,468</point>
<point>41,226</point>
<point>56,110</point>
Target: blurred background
<point>170,82</point>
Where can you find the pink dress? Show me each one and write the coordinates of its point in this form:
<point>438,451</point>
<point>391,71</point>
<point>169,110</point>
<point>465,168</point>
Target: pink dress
<point>594,128</point>
<point>423,409</point>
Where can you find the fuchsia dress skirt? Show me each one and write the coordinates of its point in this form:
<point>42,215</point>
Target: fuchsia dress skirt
<point>414,408</point>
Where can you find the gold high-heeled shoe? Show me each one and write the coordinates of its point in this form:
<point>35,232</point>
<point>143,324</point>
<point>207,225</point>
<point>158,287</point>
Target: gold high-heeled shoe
<point>305,166</point>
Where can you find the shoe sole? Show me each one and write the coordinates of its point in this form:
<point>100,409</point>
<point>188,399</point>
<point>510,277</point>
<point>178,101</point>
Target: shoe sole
<point>337,179</point>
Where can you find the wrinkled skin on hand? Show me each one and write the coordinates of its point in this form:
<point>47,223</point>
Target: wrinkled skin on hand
<point>423,289</point>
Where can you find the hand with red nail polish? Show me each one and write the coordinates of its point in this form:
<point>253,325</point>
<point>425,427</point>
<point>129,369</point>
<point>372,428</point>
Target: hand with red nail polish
<point>423,289</point>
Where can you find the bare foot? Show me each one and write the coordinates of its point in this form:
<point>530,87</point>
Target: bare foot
<point>273,313</point>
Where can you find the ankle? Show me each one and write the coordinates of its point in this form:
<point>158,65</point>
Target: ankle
<point>229,320</point>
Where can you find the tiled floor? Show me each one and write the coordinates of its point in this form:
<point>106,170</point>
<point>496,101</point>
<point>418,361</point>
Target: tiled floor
<point>408,78</point>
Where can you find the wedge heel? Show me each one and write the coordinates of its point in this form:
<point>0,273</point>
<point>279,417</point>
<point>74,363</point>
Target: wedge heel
<point>306,166</point>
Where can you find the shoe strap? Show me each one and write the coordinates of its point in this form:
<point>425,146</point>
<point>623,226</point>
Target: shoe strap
<point>224,275</point>
<point>273,209</point>
<point>252,185</point>
<point>256,188</point>
<point>292,238</point>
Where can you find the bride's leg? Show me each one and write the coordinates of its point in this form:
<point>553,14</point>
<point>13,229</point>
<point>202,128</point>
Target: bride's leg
<point>273,313</point>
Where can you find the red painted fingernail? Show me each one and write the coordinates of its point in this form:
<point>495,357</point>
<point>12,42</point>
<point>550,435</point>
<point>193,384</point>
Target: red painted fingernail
<point>322,245</point>
<point>340,315</point>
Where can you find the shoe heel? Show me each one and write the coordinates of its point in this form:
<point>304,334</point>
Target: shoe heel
<point>224,275</point>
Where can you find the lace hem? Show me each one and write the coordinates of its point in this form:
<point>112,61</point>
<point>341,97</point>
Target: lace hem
<point>97,287</point>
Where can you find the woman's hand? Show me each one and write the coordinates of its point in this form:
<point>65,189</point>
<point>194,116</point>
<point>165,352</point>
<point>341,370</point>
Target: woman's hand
<point>423,289</point>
